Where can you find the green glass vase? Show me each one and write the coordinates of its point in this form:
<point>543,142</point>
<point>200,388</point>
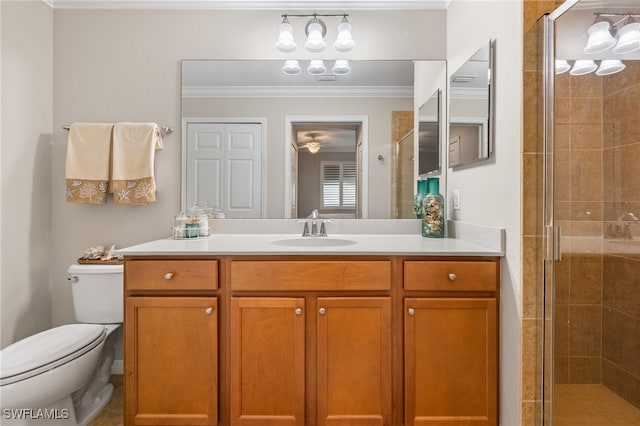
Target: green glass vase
<point>417,201</point>
<point>433,220</point>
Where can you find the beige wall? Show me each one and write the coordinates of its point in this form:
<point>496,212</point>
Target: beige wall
<point>27,58</point>
<point>490,192</point>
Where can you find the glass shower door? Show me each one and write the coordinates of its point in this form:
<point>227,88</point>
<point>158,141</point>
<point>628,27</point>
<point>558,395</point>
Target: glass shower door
<point>591,209</point>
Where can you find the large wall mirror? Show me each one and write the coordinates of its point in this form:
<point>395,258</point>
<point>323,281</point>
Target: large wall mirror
<point>471,101</point>
<point>259,143</point>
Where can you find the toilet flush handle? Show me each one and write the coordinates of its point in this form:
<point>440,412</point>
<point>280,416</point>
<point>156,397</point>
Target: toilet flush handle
<point>73,279</point>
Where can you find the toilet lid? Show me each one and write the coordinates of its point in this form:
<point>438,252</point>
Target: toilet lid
<point>48,349</point>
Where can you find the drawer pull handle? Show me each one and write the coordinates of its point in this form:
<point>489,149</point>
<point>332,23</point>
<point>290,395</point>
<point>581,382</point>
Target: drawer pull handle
<point>208,311</point>
<point>298,311</point>
<point>322,311</point>
<point>452,277</point>
<point>411,311</point>
<point>168,276</point>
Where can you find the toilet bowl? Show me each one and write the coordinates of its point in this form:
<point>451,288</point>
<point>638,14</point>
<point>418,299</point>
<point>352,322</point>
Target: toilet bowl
<point>61,376</point>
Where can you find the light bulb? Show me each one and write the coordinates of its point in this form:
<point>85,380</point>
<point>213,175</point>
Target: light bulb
<point>291,67</point>
<point>583,66</point>
<point>562,66</point>
<point>610,66</point>
<point>600,38</point>
<point>344,42</point>
<point>315,42</point>
<point>316,67</point>
<point>285,43</point>
<point>628,38</point>
<point>341,67</point>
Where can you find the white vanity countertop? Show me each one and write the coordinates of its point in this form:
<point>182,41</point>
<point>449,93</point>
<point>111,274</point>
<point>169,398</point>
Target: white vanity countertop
<point>261,244</point>
<point>368,237</point>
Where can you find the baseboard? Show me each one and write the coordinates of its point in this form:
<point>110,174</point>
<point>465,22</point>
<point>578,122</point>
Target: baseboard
<point>117,367</point>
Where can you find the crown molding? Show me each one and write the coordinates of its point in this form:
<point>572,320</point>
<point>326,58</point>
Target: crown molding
<point>297,92</point>
<point>250,4</point>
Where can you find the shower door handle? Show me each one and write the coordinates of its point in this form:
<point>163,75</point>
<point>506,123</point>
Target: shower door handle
<point>552,249</point>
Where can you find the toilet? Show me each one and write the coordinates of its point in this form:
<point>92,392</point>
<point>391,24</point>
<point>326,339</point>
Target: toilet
<point>61,376</point>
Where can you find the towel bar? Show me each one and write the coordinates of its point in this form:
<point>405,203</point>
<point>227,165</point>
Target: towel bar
<point>165,129</point>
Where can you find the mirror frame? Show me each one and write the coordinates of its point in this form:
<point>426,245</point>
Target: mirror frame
<point>486,125</point>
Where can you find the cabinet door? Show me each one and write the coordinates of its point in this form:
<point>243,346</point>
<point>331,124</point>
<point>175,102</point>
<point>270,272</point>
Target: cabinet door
<point>267,361</point>
<point>451,362</point>
<point>354,361</point>
<point>171,351</point>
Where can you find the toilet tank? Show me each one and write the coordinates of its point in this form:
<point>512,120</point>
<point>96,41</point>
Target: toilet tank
<point>97,293</point>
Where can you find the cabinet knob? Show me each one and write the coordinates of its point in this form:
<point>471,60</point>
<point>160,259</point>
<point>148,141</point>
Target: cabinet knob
<point>411,311</point>
<point>322,311</point>
<point>452,277</point>
<point>208,311</point>
<point>298,311</point>
<point>168,276</point>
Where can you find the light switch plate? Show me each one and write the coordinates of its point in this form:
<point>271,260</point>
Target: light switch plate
<point>456,199</point>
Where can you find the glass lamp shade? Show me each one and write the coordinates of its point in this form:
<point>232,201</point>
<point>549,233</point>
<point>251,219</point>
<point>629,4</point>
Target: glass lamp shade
<point>583,66</point>
<point>610,66</point>
<point>344,42</point>
<point>313,147</point>
<point>628,38</point>
<point>341,67</point>
<point>600,38</point>
<point>316,67</point>
<point>291,67</point>
<point>285,43</point>
<point>562,66</point>
<point>315,42</point>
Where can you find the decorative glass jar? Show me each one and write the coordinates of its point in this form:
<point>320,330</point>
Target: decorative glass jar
<point>433,220</point>
<point>417,201</point>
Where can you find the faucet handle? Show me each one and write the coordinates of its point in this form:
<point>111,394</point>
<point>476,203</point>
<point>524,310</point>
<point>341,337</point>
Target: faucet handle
<point>323,232</point>
<point>314,214</point>
<point>305,230</point>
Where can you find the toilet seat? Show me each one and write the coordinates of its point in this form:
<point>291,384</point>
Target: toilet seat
<point>47,350</point>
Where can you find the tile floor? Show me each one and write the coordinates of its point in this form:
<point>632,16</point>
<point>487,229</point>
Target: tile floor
<point>592,405</point>
<point>112,415</point>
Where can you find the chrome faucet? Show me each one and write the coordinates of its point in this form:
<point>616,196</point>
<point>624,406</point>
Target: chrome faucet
<point>314,226</point>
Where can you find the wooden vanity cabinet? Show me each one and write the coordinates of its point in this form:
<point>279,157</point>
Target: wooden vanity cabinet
<point>171,342</point>
<point>451,343</point>
<point>310,358</point>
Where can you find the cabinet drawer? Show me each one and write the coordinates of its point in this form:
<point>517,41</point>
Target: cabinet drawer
<point>310,275</point>
<point>451,275</point>
<point>171,274</point>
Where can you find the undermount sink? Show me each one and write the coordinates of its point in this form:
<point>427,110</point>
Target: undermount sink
<point>313,242</point>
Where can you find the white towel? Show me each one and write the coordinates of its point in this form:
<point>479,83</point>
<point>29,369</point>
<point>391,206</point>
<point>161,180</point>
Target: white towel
<point>88,160</point>
<point>132,162</point>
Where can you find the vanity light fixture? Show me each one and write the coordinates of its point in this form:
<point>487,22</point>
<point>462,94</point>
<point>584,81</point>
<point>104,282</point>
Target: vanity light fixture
<point>604,34</point>
<point>610,66</point>
<point>562,66</point>
<point>583,66</point>
<point>315,30</point>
